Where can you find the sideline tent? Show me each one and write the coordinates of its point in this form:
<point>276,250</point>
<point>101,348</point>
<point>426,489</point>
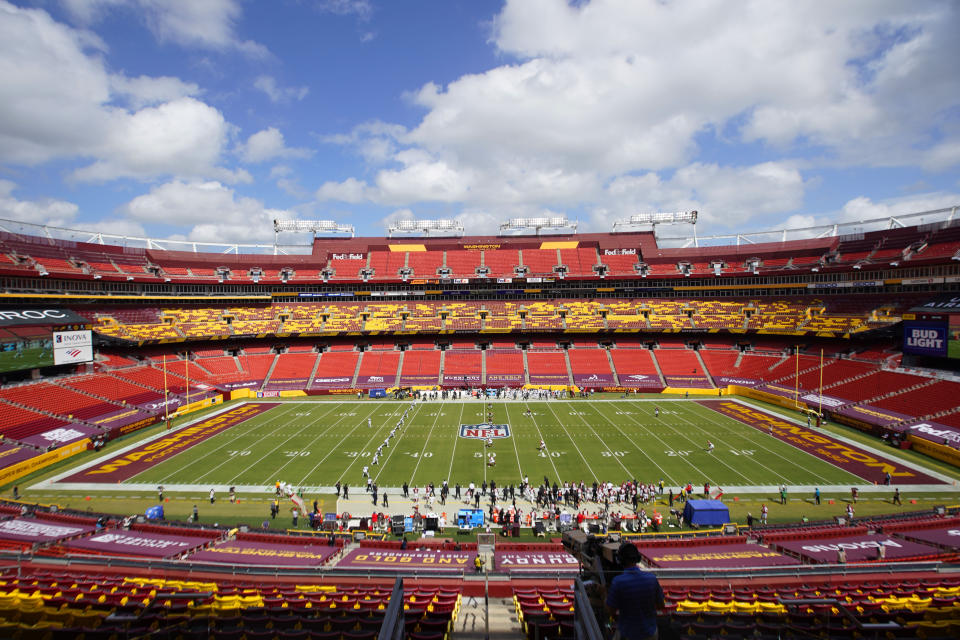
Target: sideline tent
<point>706,512</point>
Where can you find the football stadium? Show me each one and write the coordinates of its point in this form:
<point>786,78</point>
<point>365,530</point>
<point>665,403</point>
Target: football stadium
<point>380,436</point>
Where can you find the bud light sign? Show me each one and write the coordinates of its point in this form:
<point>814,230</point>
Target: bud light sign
<point>484,431</point>
<point>925,339</point>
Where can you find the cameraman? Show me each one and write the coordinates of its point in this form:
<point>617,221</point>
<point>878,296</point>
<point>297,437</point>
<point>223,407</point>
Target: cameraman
<point>634,597</point>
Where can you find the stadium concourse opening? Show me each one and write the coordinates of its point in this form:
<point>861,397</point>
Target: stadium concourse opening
<point>267,441</point>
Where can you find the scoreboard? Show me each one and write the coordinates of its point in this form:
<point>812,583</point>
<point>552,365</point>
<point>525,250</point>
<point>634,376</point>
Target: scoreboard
<point>37,338</point>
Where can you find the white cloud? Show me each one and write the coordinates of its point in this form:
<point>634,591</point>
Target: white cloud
<point>58,101</point>
<point>213,211</point>
<point>360,8</point>
<point>725,197</point>
<point>207,24</point>
<point>594,94</point>
<point>49,211</point>
<point>145,91</point>
<point>267,145</point>
<point>277,95</point>
<point>350,190</point>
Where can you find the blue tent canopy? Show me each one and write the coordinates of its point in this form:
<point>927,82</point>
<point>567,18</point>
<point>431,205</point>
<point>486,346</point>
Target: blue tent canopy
<point>706,512</point>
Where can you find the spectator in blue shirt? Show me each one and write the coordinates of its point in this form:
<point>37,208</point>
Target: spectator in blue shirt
<point>634,598</point>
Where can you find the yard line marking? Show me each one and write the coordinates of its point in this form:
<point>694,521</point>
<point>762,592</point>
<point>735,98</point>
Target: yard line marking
<point>572,441</point>
<point>314,468</point>
<point>759,445</point>
<point>698,447</point>
<point>634,445</point>
<point>427,441</point>
<point>589,426</point>
<point>540,435</point>
<point>254,424</point>
<point>403,432</point>
<point>514,438</point>
<point>310,424</point>
<point>343,476</point>
<point>453,453</point>
<point>650,432</point>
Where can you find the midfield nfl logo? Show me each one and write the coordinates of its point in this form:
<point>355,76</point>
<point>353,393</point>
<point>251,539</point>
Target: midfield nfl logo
<point>484,431</point>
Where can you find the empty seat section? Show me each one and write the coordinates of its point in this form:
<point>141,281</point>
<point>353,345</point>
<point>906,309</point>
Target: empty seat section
<point>337,364</point>
<point>380,363</point>
<point>501,262</point>
<point>54,399</point>
<point>463,264</point>
<point>256,365</point>
<point>425,263</point>
<point>417,363</point>
<point>540,262</point>
<point>348,269</point>
<point>588,361</point>
<point>720,363</point>
<point>462,363</point>
<point>546,363</point>
<point>292,370</point>
<point>17,422</point>
<point>502,361</point>
<point>678,362</point>
<point>633,361</point>
<point>114,388</point>
<point>939,396</point>
<point>874,385</point>
<point>620,265</point>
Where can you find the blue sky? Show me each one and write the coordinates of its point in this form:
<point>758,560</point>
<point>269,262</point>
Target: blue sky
<point>207,120</point>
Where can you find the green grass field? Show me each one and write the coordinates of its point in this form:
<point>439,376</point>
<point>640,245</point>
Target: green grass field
<point>316,444</point>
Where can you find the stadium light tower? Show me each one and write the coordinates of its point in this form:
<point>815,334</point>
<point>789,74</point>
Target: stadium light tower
<point>445,226</point>
<point>538,224</point>
<point>654,218</point>
<point>315,227</point>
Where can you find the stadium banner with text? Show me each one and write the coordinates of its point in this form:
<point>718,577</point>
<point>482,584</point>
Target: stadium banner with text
<point>857,548</point>
<point>593,379</point>
<point>640,381</point>
<point>869,466</point>
<point>416,380</point>
<point>20,469</point>
<point>532,561</point>
<point>935,432</point>
<point>549,379</point>
<point>714,557</point>
<point>237,552</point>
<point>72,347</point>
<point>364,382</point>
<point>743,382</point>
<point>35,530</point>
<point>127,421</point>
<point>126,465</point>
<point>332,382</point>
<point>945,452</point>
<point>12,454</point>
<point>945,537</point>
<point>691,382</point>
<point>873,415</point>
<point>925,338</point>
<point>453,379</point>
<point>388,560</point>
<point>137,543</point>
<point>504,378</point>
<point>62,435</point>
<point>50,316</point>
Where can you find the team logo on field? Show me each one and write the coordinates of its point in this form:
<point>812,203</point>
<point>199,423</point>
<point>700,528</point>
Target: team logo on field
<point>484,431</point>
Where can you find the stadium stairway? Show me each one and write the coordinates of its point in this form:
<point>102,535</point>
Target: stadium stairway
<point>483,367</point>
<point>526,369</point>
<point>847,380</point>
<point>566,359</point>
<point>656,365</point>
<point>316,365</point>
<point>616,376</point>
<point>502,616</point>
<point>396,380</point>
<point>703,365</point>
<point>443,359</point>
<point>356,371</point>
<point>269,373</point>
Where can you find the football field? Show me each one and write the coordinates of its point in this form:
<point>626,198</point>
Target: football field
<point>315,444</point>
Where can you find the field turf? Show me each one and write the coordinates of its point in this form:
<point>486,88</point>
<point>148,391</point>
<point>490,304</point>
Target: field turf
<point>316,444</point>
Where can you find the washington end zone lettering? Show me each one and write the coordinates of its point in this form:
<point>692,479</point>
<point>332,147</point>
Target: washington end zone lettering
<point>484,431</point>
